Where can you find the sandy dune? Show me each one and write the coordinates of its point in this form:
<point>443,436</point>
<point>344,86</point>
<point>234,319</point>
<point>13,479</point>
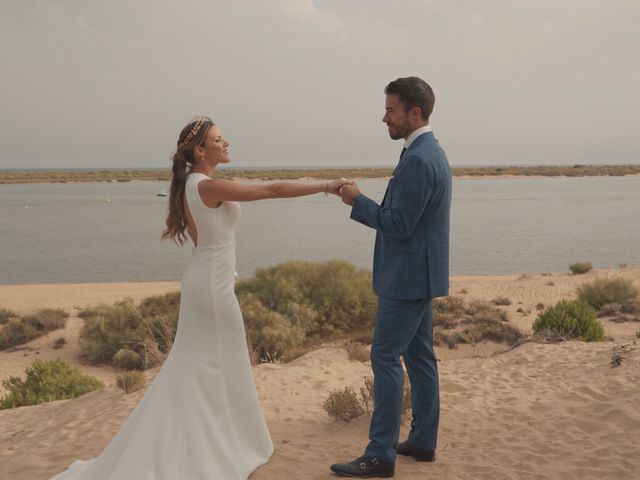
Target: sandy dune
<point>553,411</point>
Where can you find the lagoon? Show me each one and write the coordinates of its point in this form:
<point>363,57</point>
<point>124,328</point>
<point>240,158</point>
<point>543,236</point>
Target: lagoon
<point>101,232</point>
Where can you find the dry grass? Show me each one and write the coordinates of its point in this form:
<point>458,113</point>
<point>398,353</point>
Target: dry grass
<point>456,322</point>
<point>130,381</point>
<point>343,405</point>
<point>17,331</point>
<point>357,351</point>
<point>6,315</point>
<point>278,174</point>
<point>501,301</point>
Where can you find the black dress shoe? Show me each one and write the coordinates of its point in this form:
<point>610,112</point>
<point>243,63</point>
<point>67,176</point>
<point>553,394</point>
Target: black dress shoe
<point>364,467</point>
<point>404,448</point>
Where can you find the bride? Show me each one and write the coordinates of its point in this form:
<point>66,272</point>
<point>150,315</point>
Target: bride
<point>200,419</point>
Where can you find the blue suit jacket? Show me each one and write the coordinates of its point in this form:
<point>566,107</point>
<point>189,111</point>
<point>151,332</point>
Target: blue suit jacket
<point>411,256</point>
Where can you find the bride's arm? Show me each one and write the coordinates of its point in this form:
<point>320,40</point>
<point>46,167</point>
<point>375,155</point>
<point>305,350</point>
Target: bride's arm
<point>217,190</point>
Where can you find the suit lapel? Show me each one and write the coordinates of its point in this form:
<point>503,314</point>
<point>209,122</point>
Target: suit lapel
<point>392,175</point>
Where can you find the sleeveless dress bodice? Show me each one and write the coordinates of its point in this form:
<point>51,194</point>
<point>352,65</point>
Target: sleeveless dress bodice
<point>215,226</point>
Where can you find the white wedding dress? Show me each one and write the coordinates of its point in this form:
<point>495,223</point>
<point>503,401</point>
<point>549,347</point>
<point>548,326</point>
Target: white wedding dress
<point>200,419</point>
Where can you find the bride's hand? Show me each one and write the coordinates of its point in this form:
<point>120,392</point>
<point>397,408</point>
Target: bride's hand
<point>335,186</point>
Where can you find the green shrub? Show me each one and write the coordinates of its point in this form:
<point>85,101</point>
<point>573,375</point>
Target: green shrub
<point>146,330</point>
<point>18,331</point>
<point>47,319</point>
<point>104,334</point>
<point>6,315</point>
<point>167,305</point>
<point>572,319</point>
<point>607,290</point>
<point>130,381</point>
<point>580,267</point>
<point>340,294</point>
<point>290,307</point>
<point>46,381</point>
<point>272,334</point>
<point>127,359</point>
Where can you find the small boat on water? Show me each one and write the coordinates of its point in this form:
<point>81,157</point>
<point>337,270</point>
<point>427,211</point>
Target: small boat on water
<point>161,193</point>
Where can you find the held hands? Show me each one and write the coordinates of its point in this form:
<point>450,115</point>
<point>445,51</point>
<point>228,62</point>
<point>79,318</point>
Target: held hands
<point>335,186</point>
<point>348,192</point>
<point>346,189</point>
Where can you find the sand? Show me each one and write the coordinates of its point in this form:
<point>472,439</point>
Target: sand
<point>539,411</point>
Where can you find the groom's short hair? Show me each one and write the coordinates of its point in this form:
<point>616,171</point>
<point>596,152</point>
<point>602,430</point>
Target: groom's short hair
<point>413,92</point>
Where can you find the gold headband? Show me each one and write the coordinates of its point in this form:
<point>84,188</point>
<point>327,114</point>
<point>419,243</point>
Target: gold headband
<point>194,131</point>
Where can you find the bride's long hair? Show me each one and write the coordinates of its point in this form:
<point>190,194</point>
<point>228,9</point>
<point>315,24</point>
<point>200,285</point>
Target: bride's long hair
<point>191,136</point>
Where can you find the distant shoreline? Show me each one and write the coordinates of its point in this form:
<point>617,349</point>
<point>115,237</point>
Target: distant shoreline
<point>118,175</point>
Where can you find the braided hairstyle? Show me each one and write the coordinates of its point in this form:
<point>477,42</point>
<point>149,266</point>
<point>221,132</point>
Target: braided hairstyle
<point>191,136</point>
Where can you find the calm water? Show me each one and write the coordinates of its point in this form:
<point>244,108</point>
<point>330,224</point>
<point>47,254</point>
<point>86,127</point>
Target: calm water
<point>96,232</point>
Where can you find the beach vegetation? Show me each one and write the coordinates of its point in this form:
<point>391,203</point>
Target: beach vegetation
<point>130,381</point>
<point>346,405</point>
<point>570,319</point>
<point>47,381</point>
<point>357,351</point>
<point>288,310</point>
<point>578,268</point>
<point>20,330</point>
<point>608,290</point>
<point>343,405</point>
<point>127,359</point>
<point>293,307</point>
<point>621,312</point>
<point>111,329</point>
<point>321,173</point>
<point>129,335</point>
<point>6,315</point>
<point>504,301</point>
<point>273,336</point>
<point>456,322</point>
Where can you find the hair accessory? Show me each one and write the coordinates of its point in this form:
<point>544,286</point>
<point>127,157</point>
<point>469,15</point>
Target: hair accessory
<point>194,131</point>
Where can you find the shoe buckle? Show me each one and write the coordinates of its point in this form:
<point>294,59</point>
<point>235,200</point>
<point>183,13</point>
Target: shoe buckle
<point>363,466</point>
<point>375,461</point>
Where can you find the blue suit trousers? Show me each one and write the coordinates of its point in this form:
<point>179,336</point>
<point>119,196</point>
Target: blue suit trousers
<point>403,328</point>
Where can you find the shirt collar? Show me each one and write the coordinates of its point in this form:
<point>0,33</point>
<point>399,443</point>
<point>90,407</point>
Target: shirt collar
<point>415,134</point>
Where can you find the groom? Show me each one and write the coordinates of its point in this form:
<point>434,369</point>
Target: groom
<point>410,267</point>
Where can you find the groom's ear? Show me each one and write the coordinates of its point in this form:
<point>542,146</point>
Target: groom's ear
<point>415,113</point>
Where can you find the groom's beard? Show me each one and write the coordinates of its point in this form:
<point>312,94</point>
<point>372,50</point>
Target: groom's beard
<point>396,132</point>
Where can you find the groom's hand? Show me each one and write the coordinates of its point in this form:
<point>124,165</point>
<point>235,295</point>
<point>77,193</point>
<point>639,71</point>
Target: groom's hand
<point>335,186</point>
<point>348,192</point>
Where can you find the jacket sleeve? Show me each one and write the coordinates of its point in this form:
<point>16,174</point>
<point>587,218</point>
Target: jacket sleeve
<point>412,188</point>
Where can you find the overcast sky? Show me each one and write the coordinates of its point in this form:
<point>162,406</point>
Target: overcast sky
<point>94,83</point>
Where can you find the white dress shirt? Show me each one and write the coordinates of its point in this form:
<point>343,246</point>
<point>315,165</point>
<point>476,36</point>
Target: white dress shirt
<point>415,134</point>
